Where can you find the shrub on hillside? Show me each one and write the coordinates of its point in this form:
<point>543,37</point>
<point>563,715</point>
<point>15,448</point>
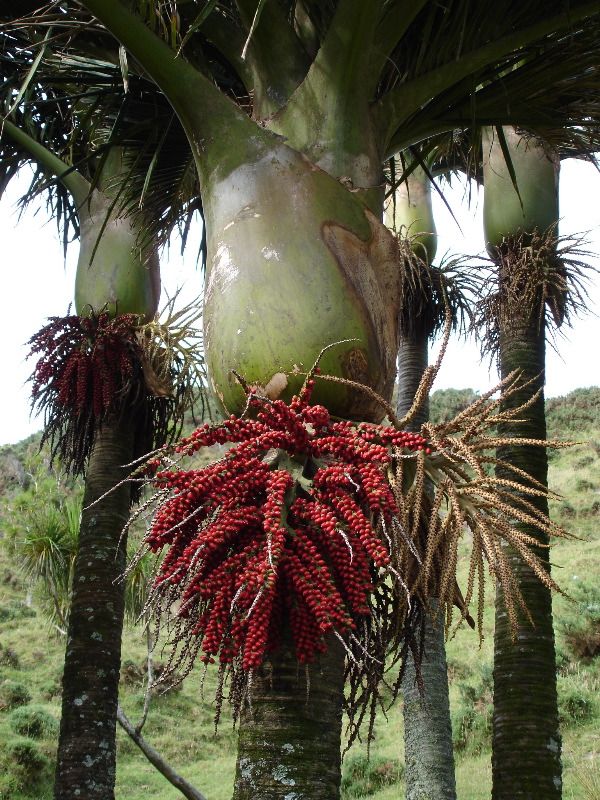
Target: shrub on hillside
<point>363,776</point>
<point>577,693</point>
<point>472,715</point>
<point>580,624</point>
<point>23,767</point>
<point>15,611</point>
<point>444,404</point>
<point>13,694</point>
<point>33,721</point>
<point>8,657</point>
<point>51,688</point>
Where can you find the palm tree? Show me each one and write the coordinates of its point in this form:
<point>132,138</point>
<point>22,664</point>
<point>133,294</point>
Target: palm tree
<point>429,293</point>
<point>117,275</point>
<point>428,754</point>
<point>291,110</point>
<point>538,284</point>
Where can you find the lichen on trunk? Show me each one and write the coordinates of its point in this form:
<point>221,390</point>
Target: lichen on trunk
<point>87,748</point>
<point>289,741</point>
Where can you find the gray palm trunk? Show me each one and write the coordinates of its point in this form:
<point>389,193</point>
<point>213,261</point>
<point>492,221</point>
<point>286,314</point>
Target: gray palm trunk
<point>428,753</point>
<point>87,749</point>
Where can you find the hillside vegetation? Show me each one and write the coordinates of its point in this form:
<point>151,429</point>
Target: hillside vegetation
<point>37,502</point>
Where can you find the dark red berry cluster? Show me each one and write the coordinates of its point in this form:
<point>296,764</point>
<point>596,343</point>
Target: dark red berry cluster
<point>84,363</point>
<point>285,527</point>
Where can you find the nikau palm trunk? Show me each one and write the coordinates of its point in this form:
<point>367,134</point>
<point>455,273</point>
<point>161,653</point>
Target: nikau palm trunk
<point>117,275</point>
<point>295,717</point>
<point>87,747</point>
<point>526,743</point>
<point>296,262</point>
<point>428,753</point>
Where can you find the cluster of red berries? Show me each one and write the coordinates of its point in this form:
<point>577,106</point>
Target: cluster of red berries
<point>286,527</point>
<point>84,362</point>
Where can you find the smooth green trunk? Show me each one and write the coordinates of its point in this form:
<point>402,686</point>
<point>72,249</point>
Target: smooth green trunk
<point>117,269</point>
<point>526,745</point>
<point>114,271</point>
<point>295,263</point>
<point>86,749</point>
<point>289,740</point>
<point>533,204</point>
<point>410,214</point>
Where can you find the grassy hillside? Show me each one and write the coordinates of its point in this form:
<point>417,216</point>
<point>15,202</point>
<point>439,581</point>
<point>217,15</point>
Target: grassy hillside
<point>180,724</point>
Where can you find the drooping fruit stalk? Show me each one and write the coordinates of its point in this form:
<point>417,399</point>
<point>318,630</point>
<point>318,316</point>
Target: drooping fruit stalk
<point>429,756</point>
<point>519,222</point>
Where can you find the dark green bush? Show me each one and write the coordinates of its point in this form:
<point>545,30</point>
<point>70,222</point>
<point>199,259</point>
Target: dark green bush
<point>51,689</point>
<point>13,694</point>
<point>28,755</point>
<point>33,721</point>
<point>24,769</point>
<point>576,698</point>
<point>14,611</point>
<point>579,625</point>
<point>444,404</point>
<point>362,776</point>
<point>472,715</point>
<point>8,658</point>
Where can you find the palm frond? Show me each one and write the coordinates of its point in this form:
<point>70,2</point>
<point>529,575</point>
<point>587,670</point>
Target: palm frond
<point>77,108</point>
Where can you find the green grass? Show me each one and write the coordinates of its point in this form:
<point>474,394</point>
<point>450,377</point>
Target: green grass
<point>180,724</point>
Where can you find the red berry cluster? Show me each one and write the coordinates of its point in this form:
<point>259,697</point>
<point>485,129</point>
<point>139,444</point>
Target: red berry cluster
<point>284,527</point>
<point>84,363</point>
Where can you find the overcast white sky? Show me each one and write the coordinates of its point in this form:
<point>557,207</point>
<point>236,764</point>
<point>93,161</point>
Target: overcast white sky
<point>38,285</point>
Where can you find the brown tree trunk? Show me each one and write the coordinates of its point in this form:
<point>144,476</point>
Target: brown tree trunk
<point>289,740</point>
<point>526,761</point>
<point>85,767</point>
